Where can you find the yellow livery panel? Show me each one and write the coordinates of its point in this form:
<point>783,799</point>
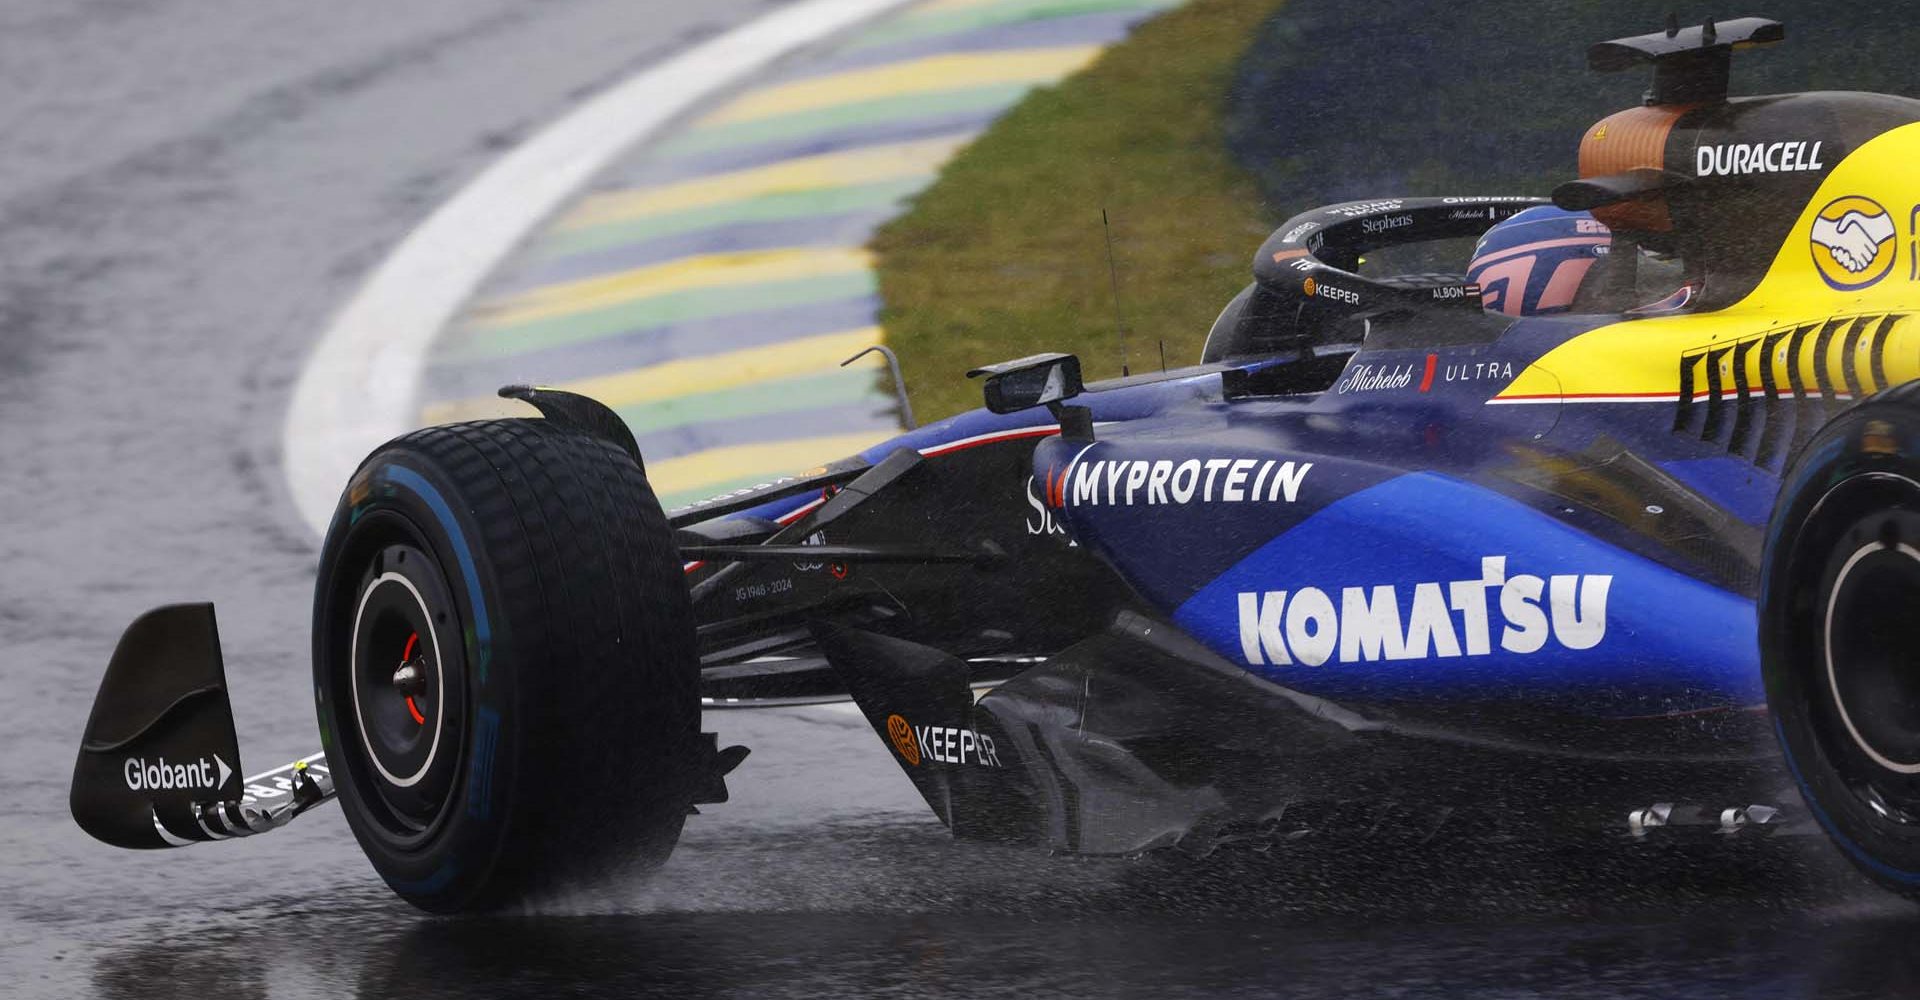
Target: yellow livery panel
<point>1830,318</point>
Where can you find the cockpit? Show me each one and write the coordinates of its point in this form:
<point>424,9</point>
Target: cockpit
<point>1547,260</point>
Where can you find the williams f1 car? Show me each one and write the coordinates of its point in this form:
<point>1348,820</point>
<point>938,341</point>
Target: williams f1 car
<point>1626,543</point>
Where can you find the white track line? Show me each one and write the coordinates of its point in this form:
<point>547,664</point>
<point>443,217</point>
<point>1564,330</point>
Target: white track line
<point>358,387</point>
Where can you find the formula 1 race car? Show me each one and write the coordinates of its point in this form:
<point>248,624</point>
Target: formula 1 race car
<point>1397,546</point>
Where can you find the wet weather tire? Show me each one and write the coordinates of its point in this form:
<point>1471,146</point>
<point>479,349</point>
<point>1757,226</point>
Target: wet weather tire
<point>504,664</point>
<point>1839,615</point>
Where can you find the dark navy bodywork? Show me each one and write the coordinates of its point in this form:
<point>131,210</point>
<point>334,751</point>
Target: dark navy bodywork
<point>1409,485</point>
<point>1529,583</point>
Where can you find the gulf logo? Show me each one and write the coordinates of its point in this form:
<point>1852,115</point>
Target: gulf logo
<point>1852,242</point>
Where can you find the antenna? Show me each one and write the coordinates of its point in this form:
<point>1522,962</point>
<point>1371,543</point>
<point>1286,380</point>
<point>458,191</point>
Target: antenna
<point>1113,275</point>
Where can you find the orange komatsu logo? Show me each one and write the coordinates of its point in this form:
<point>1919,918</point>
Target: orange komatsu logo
<point>902,736</point>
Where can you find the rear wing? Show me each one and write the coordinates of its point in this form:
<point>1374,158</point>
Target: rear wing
<point>159,765</point>
<point>1690,65</point>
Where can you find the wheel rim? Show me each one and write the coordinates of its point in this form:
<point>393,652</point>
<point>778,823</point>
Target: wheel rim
<point>404,683</point>
<point>1866,616</point>
<point>1872,645</point>
<point>399,689</point>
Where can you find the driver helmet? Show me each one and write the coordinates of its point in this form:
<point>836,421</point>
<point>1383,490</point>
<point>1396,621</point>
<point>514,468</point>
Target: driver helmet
<point>1533,263</point>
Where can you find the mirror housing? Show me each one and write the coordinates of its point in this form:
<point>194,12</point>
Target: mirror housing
<point>1035,380</point>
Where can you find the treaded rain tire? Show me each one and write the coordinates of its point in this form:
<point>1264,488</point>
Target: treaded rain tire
<point>560,645</point>
<point>1839,616</point>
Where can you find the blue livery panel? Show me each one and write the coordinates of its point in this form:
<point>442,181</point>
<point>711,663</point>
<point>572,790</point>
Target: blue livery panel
<point>1424,587</point>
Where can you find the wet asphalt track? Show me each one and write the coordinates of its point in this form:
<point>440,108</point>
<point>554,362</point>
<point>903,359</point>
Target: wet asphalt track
<point>186,191</point>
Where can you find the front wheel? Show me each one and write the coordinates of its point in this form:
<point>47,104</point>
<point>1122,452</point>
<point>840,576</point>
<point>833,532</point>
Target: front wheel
<point>1839,615</point>
<point>504,663</point>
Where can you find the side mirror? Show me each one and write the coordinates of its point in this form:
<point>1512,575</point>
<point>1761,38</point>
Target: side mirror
<point>1024,383</point>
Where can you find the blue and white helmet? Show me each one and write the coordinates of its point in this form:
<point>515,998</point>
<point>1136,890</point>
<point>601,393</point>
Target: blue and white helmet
<point>1533,263</point>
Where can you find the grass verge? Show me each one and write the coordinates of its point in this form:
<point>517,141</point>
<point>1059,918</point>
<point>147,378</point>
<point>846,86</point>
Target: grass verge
<point>1005,255</point>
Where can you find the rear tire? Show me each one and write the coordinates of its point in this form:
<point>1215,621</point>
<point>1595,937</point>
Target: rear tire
<point>504,664</point>
<point>1839,615</point>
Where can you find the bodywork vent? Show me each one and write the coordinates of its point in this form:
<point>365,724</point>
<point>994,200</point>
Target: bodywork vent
<point>1762,396</point>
